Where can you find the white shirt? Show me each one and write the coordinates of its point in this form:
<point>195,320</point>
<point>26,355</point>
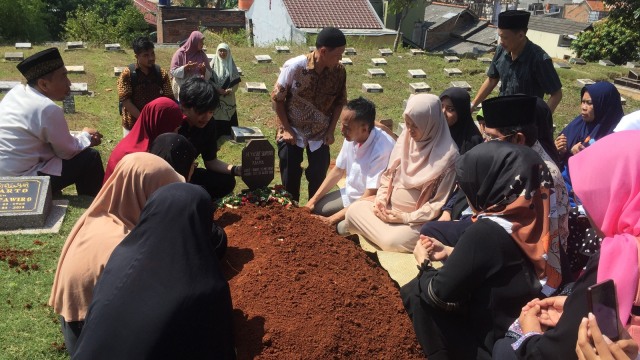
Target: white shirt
<point>34,136</point>
<point>364,164</point>
<point>629,122</point>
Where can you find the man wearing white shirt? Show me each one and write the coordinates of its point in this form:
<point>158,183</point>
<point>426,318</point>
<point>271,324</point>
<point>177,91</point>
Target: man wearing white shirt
<point>629,122</point>
<point>34,135</point>
<point>363,157</point>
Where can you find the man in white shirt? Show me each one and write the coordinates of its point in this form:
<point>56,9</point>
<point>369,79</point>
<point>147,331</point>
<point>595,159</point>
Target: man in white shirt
<point>629,122</point>
<point>34,135</point>
<point>363,157</point>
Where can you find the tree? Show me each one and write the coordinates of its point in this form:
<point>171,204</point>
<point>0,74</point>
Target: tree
<point>104,24</point>
<point>23,20</point>
<point>400,7</point>
<point>628,11</point>
<point>610,39</point>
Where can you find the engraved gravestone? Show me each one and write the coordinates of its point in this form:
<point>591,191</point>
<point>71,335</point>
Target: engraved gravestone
<point>258,162</point>
<point>69,104</point>
<point>25,201</point>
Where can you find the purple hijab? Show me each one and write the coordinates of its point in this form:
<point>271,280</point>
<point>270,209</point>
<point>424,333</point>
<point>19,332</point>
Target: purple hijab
<point>189,52</point>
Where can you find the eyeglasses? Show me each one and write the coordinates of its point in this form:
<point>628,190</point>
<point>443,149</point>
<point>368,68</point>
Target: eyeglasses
<point>488,137</point>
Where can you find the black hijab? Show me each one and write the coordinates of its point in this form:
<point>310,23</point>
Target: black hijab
<point>464,132</point>
<point>162,294</point>
<point>544,122</point>
<point>176,150</point>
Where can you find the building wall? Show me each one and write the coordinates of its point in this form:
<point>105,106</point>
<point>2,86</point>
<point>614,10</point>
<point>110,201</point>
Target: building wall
<point>577,12</point>
<point>175,23</point>
<point>272,24</point>
<point>415,14</point>
<point>549,43</point>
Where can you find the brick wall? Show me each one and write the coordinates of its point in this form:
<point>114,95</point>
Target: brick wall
<point>176,23</point>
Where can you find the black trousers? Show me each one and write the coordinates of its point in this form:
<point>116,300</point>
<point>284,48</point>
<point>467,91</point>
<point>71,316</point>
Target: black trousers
<point>217,185</point>
<point>71,332</point>
<point>447,232</point>
<point>85,170</point>
<point>291,171</point>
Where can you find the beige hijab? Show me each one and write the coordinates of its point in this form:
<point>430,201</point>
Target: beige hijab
<point>423,161</point>
<point>110,217</point>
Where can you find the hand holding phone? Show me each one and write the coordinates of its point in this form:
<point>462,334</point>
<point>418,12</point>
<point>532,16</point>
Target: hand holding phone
<point>603,303</point>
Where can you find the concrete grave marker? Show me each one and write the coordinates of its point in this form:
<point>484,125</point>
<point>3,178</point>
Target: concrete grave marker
<point>485,60</point>
<point>239,70</point>
<point>419,87</point>
<point>282,50</point>
<point>346,61</point>
<point>75,45</point>
<point>417,74</point>
<point>242,133</point>
<point>350,51</point>
<point>606,63</point>
<point>13,56</point>
<point>416,52</point>
<point>577,61</point>
<point>117,70</point>
<point>258,87</point>
<point>385,52</point>
<point>460,84</point>
<point>635,75</point>
<point>112,47</point>
<point>378,61</point>
<point>583,82</point>
<point>377,72</point>
<point>372,88</point>
<point>623,101</point>
<point>23,46</point>
<point>5,86</point>
<point>25,201</point>
<point>453,71</point>
<point>631,64</point>
<point>451,59</point>
<point>561,65</point>
<point>258,163</point>
<point>263,59</point>
<point>210,57</point>
<point>79,89</point>
<point>69,104</point>
<point>75,69</point>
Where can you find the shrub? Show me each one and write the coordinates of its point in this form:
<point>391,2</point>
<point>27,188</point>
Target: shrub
<point>610,39</point>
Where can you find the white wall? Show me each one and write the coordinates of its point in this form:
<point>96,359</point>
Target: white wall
<point>272,25</point>
<point>549,43</point>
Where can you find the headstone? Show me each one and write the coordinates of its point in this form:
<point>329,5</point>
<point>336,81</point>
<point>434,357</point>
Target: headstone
<point>239,71</point>
<point>258,163</point>
<point>263,59</point>
<point>75,45</point>
<point>453,71</point>
<point>372,88</point>
<point>258,87</point>
<point>350,51</point>
<point>417,74</point>
<point>416,52</point>
<point>385,52</point>
<point>451,59</point>
<point>210,57</point>
<point>484,60</point>
<point>346,61</point>
<point>461,84</point>
<point>623,101</point>
<point>577,61</point>
<point>584,82</point>
<point>69,104</point>
<point>242,133</point>
<point>117,70</point>
<point>25,201</point>
<point>23,46</point>
<point>14,56</point>
<point>112,47</point>
<point>420,87</point>
<point>378,61</point>
<point>631,64</point>
<point>634,75</point>
<point>377,72</point>
<point>606,63</point>
<point>79,89</point>
<point>282,49</point>
<point>561,65</point>
<point>75,69</point>
<point>312,48</point>
<point>5,86</point>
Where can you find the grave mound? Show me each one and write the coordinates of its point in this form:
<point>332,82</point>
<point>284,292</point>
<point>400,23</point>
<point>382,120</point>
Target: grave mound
<point>301,291</point>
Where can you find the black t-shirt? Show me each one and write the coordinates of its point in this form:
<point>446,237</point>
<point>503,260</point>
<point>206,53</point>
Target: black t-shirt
<point>204,140</point>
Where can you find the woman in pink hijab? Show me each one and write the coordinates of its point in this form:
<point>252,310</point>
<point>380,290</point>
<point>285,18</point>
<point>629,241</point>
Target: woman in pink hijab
<point>416,183</point>
<point>189,61</point>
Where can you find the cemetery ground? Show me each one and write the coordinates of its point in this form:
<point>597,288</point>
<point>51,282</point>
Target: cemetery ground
<point>28,327</point>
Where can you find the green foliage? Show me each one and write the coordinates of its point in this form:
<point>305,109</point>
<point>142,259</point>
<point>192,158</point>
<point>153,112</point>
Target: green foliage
<point>610,39</point>
<point>95,27</point>
<point>235,38</point>
<point>628,11</point>
<point>23,20</point>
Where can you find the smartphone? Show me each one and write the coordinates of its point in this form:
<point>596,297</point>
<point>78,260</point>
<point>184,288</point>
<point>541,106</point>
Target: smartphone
<point>603,303</point>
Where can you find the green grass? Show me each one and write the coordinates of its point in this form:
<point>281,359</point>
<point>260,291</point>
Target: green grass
<point>28,327</point>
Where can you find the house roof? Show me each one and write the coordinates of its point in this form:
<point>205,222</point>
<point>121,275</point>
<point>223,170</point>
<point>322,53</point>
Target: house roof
<point>487,36</point>
<point>351,14</point>
<point>461,47</point>
<point>596,5</point>
<point>437,14</point>
<point>556,25</point>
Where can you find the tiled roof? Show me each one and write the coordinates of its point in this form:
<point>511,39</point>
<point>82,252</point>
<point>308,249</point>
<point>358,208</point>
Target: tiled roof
<point>556,26</point>
<point>343,14</point>
<point>596,5</point>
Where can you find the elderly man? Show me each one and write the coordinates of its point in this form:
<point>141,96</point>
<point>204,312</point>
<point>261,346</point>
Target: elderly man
<point>521,66</point>
<point>34,135</point>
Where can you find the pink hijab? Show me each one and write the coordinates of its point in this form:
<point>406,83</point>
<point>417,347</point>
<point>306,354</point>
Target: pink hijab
<point>422,161</point>
<point>189,52</point>
<point>606,178</point>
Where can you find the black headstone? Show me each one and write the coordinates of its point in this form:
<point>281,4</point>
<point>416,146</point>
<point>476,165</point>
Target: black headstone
<point>25,202</point>
<point>69,104</point>
<point>258,162</point>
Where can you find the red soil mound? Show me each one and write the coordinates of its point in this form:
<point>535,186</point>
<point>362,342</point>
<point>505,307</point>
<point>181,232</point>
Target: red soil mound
<point>302,292</point>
